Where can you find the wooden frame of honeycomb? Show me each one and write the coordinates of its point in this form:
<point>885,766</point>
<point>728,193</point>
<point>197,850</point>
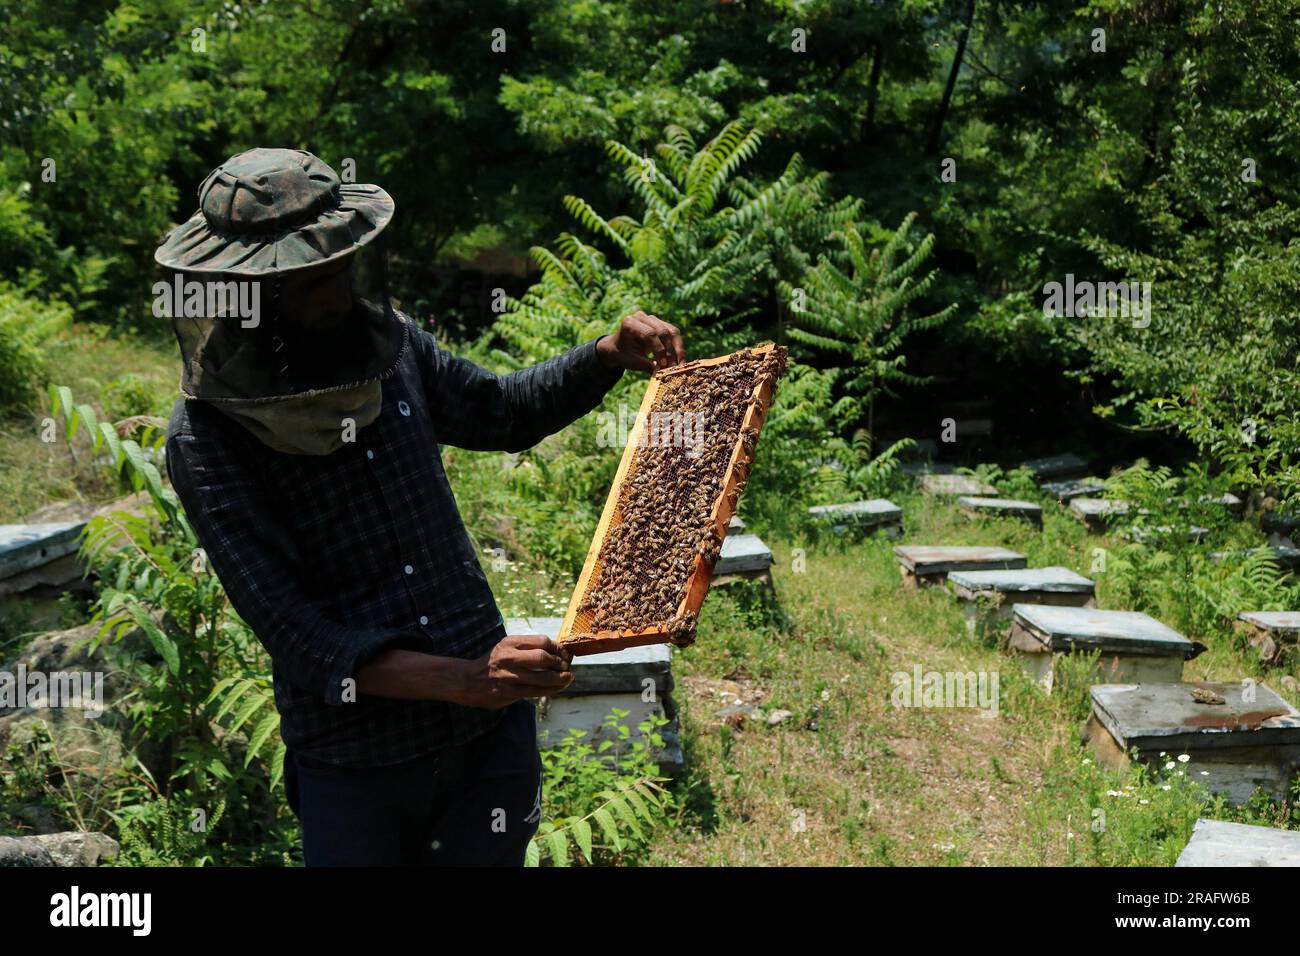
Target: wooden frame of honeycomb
<point>575,632</point>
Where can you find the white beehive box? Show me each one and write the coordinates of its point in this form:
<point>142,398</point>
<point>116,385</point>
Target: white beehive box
<point>1133,646</point>
<point>1250,740</point>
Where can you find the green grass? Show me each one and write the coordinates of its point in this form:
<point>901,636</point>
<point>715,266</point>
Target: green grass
<point>35,473</point>
<point>851,779</point>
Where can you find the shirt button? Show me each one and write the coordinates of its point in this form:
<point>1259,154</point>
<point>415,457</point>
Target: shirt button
<point>424,619</point>
<point>409,570</point>
<point>404,408</point>
<point>370,455</point>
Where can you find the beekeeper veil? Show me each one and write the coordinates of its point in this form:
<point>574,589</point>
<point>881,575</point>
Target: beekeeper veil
<point>277,291</point>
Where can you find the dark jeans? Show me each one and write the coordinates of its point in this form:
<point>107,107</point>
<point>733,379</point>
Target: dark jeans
<point>476,805</point>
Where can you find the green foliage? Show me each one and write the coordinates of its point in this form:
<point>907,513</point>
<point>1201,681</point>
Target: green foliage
<point>200,696</point>
<point>863,315</point>
<point>26,324</point>
<point>604,798</point>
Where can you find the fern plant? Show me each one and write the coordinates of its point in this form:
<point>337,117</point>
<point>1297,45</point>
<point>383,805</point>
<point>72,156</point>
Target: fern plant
<point>860,309</point>
<point>703,250</point>
<point>607,794</point>
<point>204,677</point>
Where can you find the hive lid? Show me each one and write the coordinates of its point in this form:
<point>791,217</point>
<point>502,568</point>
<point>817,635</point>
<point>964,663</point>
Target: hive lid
<point>1283,621</point>
<point>1159,715</point>
<point>1053,579</point>
<point>984,503</point>
<point>941,559</point>
<point>1091,629</point>
<point>1220,843</point>
<point>874,511</point>
<point>937,484</point>
<point>1097,507</point>
<point>1055,466</point>
<point>741,553</point>
<point>1067,491</point>
<point>27,546</point>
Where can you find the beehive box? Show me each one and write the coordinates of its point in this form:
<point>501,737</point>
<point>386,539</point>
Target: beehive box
<point>1057,467</point>
<point>949,484</point>
<point>976,505</point>
<point>994,592</point>
<point>744,557</point>
<point>924,564</point>
<point>32,555</point>
<point>1271,632</point>
<point>1067,490</point>
<point>651,560</point>
<point>877,514</point>
<point>1237,736</point>
<point>637,680</point>
<point>1132,646</point>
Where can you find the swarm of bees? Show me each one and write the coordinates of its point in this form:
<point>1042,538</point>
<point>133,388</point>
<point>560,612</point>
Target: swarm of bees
<point>665,528</point>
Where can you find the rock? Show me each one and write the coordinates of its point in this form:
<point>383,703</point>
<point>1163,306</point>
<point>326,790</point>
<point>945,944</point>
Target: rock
<point>75,848</point>
<point>738,712</point>
<point>61,651</point>
<point>778,717</point>
<point>23,852</point>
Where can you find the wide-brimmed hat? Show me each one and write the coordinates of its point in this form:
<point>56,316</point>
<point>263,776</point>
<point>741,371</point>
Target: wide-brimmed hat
<point>268,211</point>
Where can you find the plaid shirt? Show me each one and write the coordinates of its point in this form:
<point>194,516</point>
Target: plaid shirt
<point>331,558</point>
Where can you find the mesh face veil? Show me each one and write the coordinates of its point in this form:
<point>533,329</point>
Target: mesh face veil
<point>276,337</point>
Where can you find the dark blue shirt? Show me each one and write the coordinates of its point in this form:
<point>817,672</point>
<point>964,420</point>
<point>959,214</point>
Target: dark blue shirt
<point>331,558</point>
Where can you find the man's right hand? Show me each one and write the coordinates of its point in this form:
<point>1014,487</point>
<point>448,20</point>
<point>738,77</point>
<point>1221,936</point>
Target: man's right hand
<point>522,665</point>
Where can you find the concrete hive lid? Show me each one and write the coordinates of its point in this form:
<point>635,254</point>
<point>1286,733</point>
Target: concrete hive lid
<point>989,503</point>
<point>953,484</point>
<point>1055,466</point>
<point>27,546</point>
<point>1277,621</point>
<point>1067,491</point>
<point>1220,843</point>
<point>1093,629</point>
<point>1052,579</point>
<point>873,511</point>
<point>623,670</point>
<point>1162,716</point>
<point>942,559</point>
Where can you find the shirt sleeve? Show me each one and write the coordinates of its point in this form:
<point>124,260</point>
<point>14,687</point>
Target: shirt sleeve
<point>476,409</point>
<point>253,555</point>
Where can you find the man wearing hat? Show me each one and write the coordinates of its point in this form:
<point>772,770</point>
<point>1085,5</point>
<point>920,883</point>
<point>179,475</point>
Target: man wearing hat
<point>306,453</point>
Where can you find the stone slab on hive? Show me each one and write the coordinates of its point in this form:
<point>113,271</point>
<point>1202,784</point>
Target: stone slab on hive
<point>935,484</point>
<point>1056,467</point>
<point>1001,507</point>
<point>24,547</point>
<point>1220,843</point>
<point>1067,491</point>
<point>871,515</point>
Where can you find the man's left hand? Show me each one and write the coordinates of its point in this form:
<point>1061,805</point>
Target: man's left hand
<point>642,342</point>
